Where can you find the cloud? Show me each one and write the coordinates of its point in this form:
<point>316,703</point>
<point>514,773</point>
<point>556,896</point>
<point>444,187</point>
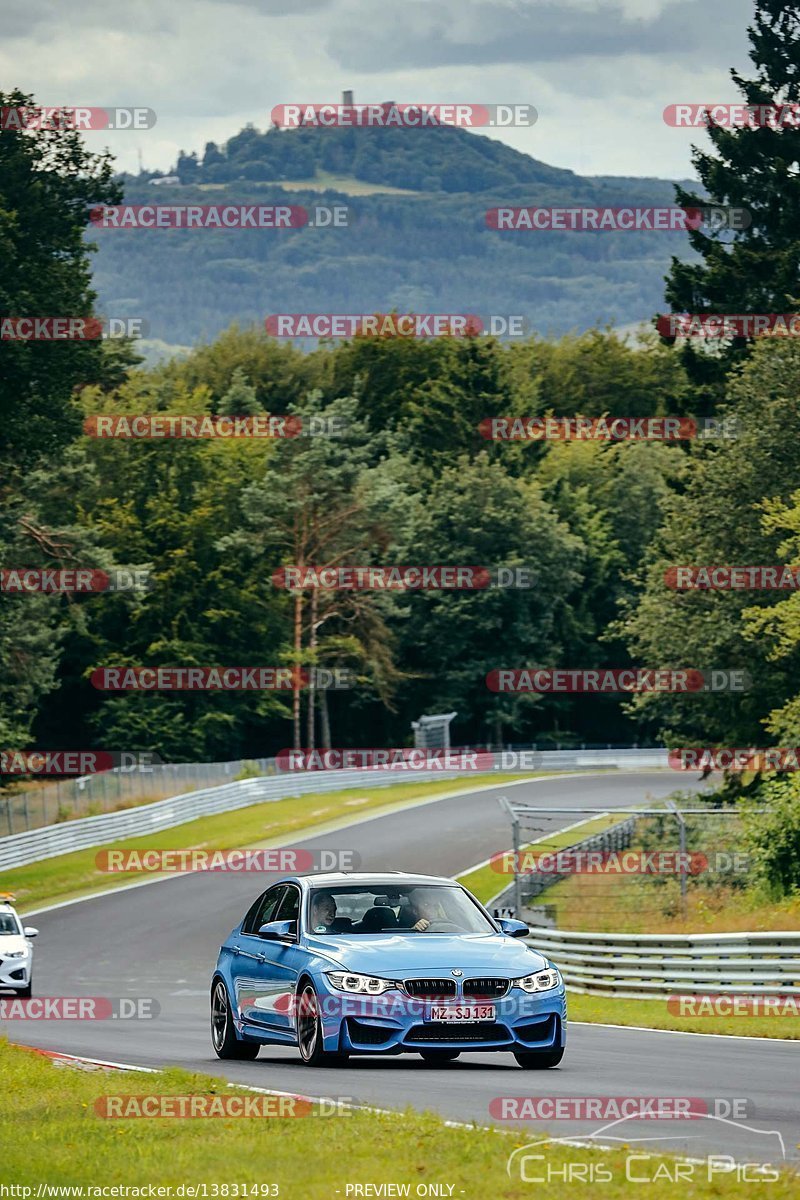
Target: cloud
<point>598,71</point>
<point>420,35</point>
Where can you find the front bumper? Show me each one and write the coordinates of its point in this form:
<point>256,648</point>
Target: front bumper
<point>394,1023</point>
<point>15,972</point>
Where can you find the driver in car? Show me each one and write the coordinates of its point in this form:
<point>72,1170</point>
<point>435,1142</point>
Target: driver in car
<point>422,911</point>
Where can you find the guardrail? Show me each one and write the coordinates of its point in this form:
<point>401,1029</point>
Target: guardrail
<point>107,791</point>
<point>50,840</point>
<point>641,966</point>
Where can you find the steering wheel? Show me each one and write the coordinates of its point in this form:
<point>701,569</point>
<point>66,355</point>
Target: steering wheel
<point>444,927</point>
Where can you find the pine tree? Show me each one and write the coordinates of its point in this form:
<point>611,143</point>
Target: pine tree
<point>756,168</point>
<point>240,398</point>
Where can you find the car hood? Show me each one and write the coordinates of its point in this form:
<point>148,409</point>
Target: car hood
<point>429,953</point>
<point>12,942</point>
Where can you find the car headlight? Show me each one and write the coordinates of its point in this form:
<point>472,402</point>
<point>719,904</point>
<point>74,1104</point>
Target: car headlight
<point>15,954</point>
<point>364,985</point>
<point>542,981</point>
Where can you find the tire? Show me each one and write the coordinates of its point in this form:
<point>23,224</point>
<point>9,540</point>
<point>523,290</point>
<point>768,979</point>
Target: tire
<point>309,1031</point>
<point>26,992</point>
<point>223,1035</point>
<point>539,1061</point>
<point>437,1058</point>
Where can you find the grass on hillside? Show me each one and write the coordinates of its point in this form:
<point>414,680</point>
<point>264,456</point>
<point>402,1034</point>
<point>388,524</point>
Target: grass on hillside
<point>324,181</point>
<point>486,882</point>
<point>55,1137</point>
<point>631,904</point>
<point>580,911</point>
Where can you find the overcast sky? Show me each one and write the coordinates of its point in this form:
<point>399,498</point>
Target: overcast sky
<point>599,72</point>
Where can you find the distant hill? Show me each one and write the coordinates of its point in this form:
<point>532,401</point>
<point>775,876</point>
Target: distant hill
<point>434,159</point>
<point>421,245</point>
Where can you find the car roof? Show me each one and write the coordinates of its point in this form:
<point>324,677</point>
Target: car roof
<point>387,879</point>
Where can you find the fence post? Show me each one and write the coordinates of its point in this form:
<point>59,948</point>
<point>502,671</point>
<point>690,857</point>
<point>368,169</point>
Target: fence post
<point>517,881</point>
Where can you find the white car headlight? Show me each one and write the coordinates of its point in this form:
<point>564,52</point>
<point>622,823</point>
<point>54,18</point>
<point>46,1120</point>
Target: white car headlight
<point>542,981</point>
<point>363,985</point>
<point>15,954</point>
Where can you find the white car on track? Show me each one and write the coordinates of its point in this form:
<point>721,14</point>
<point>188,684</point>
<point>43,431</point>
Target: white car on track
<point>16,948</point>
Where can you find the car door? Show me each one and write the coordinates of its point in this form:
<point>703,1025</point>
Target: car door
<point>252,997</point>
<point>280,967</point>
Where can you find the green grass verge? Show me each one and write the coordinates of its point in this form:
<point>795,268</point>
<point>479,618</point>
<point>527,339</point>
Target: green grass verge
<point>72,875</point>
<point>485,882</point>
<point>55,1137</point>
<point>653,1014</point>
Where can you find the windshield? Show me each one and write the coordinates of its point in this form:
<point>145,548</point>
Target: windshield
<point>8,923</point>
<point>369,909</point>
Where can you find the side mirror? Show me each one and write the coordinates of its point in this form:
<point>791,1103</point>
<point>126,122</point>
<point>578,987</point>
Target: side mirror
<point>279,931</point>
<point>29,931</point>
<point>517,929</point>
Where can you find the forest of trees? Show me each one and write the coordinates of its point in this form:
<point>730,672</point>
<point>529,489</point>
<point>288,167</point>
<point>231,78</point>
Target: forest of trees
<point>409,480</point>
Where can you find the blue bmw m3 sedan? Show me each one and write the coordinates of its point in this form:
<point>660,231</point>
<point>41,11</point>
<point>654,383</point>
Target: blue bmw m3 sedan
<point>354,963</point>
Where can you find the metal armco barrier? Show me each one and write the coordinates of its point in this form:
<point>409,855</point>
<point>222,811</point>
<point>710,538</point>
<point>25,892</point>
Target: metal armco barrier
<point>50,840</point>
<point>641,966</point>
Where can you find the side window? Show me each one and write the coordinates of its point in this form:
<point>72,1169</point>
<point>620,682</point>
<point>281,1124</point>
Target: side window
<point>263,909</point>
<point>289,907</point>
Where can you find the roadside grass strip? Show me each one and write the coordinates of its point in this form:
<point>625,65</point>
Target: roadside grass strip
<point>56,1138</point>
<point>653,1014</point>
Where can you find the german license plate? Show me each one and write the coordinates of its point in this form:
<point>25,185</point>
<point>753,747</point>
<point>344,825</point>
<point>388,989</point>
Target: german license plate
<point>461,1014</point>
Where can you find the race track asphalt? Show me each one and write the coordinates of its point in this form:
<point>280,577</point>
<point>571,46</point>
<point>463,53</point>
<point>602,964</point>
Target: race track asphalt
<point>161,941</point>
